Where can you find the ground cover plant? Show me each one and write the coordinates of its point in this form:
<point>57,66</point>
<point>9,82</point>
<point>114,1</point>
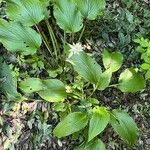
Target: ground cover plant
<point>47,75</point>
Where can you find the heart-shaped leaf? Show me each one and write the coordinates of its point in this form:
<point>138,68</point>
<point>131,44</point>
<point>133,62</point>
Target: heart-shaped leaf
<point>90,9</point>
<point>71,124</point>
<point>125,126</point>
<point>86,67</point>
<point>67,15</point>
<point>28,12</point>
<point>112,61</point>
<point>95,144</point>
<point>98,122</point>
<point>131,81</point>
<point>16,37</point>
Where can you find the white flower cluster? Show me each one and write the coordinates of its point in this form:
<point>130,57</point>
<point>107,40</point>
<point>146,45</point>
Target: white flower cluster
<point>75,49</point>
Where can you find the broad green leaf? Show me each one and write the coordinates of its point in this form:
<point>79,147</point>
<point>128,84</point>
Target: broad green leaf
<point>90,9</point>
<point>86,67</point>
<point>72,123</point>
<point>51,90</point>
<point>98,122</point>
<point>104,80</point>
<point>45,4</point>
<point>147,75</point>
<point>31,85</point>
<point>28,12</point>
<point>8,84</point>
<point>16,37</point>
<point>125,126</point>
<point>143,42</point>
<point>54,90</point>
<point>112,61</point>
<point>95,144</point>
<point>68,17</point>
<point>145,66</point>
<point>131,81</point>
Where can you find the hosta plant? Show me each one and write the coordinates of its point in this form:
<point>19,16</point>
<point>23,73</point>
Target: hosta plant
<point>73,98</point>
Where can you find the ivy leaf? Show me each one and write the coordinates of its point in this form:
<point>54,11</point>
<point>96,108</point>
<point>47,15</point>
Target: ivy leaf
<point>68,17</point>
<point>98,122</point>
<point>90,9</point>
<point>8,85</point>
<point>16,37</point>
<point>125,126</point>
<point>31,85</point>
<point>54,90</point>
<point>28,12</point>
<point>86,67</point>
<point>72,123</point>
<point>95,144</point>
<point>104,80</point>
<point>112,61</point>
<point>131,81</point>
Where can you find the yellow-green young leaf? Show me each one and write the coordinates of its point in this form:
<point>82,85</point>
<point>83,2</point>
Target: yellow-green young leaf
<point>31,85</point>
<point>147,75</point>
<point>112,61</point>
<point>8,84</point>
<point>72,123</point>
<point>16,37</point>
<point>131,81</point>
<point>68,17</point>
<point>95,144</point>
<point>98,122</point>
<point>28,12</point>
<point>86,67</point>
<point>145,66</point>
<point>54,90</point>
<point>125,126</point>
<point>104,80</point>
<point>90,9</point>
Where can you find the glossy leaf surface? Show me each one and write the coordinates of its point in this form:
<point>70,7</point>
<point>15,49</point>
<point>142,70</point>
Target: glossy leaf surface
<point>28,12</point>
<point>112,61</point>
<point>31,85</point>
<point>90,9</point>
<point>68,17</point>
<point>54,90</point>
<point>125,126</point>
<point>98,122</point>
<point>95,144</point>
<point>51,90</point>
<point>131,81</point>
<point>16,37</point>
<point>104,80</point>
<point>86,66</point>
<point>71,124</point>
